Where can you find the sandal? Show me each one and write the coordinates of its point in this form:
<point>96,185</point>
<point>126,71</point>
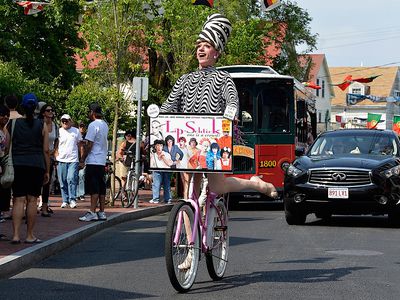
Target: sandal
<point>4,238</point>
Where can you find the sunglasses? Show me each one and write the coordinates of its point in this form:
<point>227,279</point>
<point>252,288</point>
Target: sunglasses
<point>49,110</point>
<point>64,121</point>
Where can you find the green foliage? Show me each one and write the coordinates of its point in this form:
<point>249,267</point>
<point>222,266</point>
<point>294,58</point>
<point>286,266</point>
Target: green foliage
<point>42,45</point>
<point>296,35</point>
<point>13,81</point>
<point>246,45</point>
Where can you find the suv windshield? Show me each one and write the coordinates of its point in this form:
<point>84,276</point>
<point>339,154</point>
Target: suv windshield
<point>375,143</point>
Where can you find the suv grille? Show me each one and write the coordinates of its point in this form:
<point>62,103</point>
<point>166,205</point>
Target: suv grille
<point>338,177</point>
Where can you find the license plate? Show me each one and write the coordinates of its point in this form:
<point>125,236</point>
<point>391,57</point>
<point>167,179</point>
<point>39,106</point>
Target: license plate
<point>338,193</point>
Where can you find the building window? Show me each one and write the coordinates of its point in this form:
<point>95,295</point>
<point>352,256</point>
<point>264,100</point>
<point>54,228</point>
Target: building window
<point>319,116</point>
<point>317,91</point>
<point>357,88</point>
<point>397,93</point>
<point>323,88</point>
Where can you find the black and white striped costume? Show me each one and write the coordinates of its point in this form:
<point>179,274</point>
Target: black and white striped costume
<point>206,90</point>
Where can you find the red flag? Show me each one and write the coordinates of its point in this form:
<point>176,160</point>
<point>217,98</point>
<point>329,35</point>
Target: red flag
<point>312,85</point>
<point>366,79</point>
<point>209,3</point>
<point>346,82</point>
<point>349,80</point>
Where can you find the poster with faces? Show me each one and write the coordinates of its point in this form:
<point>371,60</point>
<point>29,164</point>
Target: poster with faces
<point>190,143</point>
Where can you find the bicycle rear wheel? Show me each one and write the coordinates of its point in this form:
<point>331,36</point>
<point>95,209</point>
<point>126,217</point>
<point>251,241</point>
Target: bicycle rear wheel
<point>178,252</point>
<point>131,189</point>
<point>217,255</point>
<point>117,190</point>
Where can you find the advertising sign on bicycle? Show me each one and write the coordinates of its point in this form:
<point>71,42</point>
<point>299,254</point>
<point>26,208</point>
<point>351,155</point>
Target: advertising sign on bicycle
<point>191,142</point>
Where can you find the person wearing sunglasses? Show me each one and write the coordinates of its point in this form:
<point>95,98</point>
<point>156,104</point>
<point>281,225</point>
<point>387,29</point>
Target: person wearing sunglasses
<point>47,115</point>
<point>68,161</point>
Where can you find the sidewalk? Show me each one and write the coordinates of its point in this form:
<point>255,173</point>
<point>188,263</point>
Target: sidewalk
<point>63,229</point>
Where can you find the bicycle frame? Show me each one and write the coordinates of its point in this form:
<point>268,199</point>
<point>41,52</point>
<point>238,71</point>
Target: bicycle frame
<point>199,224</point>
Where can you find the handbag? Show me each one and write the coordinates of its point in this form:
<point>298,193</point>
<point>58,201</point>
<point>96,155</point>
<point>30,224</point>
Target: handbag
<point>7,177</point>
<point>129,156</point>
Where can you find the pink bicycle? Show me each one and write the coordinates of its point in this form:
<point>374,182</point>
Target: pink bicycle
<point>196,227</point>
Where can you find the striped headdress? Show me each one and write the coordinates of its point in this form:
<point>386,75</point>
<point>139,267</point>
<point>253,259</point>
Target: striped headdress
<point>216,30</point>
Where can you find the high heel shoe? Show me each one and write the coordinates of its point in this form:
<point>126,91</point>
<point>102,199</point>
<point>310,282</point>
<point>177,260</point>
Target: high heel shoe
<point>187,263</point>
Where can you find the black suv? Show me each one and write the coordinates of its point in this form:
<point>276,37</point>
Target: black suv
<point>349,171</point>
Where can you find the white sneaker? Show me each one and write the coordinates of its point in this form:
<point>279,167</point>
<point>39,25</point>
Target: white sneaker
<point>154,201</point>
<point>89,216</point>
<point>169,201</point>
<point>72,204</point>
<point>64,205</point>
<point>101,215</point>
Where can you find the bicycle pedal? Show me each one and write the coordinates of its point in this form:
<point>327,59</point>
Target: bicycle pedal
<point>220,228</point>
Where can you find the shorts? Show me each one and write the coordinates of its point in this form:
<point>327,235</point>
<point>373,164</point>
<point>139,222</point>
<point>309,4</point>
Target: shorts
<point>95,180</point>
<point>27,181</point>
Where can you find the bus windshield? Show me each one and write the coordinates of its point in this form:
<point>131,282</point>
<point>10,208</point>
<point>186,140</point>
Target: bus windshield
<point>273,107</point>
<point>270,112</point>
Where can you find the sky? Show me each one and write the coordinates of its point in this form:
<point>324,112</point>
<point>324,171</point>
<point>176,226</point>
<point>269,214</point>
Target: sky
<point>356,33</point>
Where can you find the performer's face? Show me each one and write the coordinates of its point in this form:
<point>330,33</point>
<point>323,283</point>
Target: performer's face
<point>206,54</point>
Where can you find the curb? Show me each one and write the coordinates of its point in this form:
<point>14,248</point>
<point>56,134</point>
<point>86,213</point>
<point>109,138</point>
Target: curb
<point>24,259</point>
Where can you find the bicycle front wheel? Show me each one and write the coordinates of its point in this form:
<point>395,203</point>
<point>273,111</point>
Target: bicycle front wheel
<point>217,255</point>
<point>131,189</point>
<point>182,259</point>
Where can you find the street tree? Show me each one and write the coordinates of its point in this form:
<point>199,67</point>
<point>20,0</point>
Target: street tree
<point>42,45</point>
<point>292,35</point>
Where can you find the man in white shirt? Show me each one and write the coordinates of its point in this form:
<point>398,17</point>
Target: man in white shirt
<point>67,156</point>
<point>94,155</point>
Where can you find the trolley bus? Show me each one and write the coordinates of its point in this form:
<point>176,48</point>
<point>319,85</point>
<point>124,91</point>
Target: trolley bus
<point>277,114</point>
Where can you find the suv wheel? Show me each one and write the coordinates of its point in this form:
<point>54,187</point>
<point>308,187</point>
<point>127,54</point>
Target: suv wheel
<point>394,217</point>
<point>324,215</point>
<point>295,218</point>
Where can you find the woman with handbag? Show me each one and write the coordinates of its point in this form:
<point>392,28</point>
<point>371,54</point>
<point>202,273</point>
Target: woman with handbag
<point>31,160</point>
<point>124,155</point>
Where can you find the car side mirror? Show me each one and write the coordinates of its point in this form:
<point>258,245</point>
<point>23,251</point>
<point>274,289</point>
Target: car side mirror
<point>300,151</point>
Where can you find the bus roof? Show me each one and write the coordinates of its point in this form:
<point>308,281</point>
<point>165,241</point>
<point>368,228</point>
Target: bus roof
<point>252,71</point>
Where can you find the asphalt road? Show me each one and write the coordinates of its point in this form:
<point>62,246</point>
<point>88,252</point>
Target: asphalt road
<point>348,258</point>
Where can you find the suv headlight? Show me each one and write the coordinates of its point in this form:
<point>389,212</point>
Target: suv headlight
<point>293,171</point>
<point>395,171</point>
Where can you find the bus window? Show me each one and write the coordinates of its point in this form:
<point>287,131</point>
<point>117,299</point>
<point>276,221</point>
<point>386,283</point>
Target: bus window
<point>246,107</point>
<point>273,110</point>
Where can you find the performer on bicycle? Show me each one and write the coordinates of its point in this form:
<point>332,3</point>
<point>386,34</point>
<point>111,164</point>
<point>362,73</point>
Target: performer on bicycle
<point>208,90</point>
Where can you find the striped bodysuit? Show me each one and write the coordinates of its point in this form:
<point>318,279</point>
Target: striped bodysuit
<point>206,90</point>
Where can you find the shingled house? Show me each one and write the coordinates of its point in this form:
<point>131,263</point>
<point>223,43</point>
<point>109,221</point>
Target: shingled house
<point>382,89</point>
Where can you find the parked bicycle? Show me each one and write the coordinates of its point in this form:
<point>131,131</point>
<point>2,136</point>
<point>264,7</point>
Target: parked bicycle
<point>133,182</point>
<point>116,194</point>
<point>193,229</point>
